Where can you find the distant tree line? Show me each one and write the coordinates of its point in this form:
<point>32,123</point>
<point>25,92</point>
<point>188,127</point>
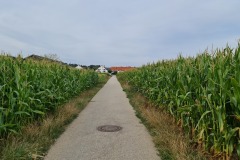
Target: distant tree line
<point>55,58</point>
<point>93,67</point>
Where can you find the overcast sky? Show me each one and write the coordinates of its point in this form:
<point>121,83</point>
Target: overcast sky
<point>117,32</point>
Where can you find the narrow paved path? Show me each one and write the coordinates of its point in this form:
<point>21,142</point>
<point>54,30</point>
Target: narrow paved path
<point>82,140</point>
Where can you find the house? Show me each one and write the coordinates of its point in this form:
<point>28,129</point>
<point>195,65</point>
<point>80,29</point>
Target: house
<point>102,69</point>
<point>79,67</point>
<point>121,69</point>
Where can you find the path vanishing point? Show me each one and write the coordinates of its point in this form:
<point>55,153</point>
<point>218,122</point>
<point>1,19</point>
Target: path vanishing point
<point>83,141</point>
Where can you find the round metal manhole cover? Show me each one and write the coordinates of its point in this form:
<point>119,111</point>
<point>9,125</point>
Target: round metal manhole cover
<point>109,128</point>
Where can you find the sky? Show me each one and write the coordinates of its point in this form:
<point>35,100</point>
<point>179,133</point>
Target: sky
<point>117,32</point>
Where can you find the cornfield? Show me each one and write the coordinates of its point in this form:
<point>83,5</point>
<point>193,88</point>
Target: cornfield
<point>29,89</point>
<point>202,93</point>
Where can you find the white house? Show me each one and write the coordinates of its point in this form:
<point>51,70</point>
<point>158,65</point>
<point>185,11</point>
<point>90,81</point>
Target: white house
<point>102,69</point>
<point>79,67</point>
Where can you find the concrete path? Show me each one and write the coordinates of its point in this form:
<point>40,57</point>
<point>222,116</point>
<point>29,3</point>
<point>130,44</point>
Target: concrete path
<point>82,140</point>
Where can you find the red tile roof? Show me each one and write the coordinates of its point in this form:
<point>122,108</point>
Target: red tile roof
<point>121,68</point>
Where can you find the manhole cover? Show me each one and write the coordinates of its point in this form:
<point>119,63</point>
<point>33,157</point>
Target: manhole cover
<point>109,128</point>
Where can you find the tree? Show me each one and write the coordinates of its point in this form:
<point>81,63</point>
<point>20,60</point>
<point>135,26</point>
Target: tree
<point>52,56</point>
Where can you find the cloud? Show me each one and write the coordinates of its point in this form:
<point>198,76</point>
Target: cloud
<point>117,32</point>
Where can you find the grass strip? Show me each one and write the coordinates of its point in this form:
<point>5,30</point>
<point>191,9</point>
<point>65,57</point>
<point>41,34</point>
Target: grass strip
<point>35,139</point>
<point>167,136</point>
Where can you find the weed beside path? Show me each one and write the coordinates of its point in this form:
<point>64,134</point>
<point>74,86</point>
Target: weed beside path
<point>168,138</point>
<point>36,138</point>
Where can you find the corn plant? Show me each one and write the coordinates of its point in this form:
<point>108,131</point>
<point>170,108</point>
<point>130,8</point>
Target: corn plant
<point>202,93</point>
<point>29,89</point>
